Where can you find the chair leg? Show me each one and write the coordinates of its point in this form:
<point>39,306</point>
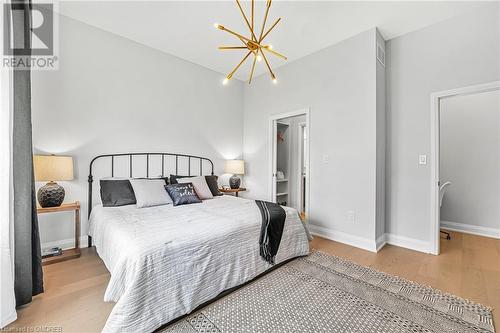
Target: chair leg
<point>448,237</point>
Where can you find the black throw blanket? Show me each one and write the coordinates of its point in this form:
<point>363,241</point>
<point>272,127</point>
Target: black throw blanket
<point>273,221</point>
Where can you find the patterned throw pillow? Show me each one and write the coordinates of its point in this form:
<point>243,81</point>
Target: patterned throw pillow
<point>182,194</point>
<point>211,181</point>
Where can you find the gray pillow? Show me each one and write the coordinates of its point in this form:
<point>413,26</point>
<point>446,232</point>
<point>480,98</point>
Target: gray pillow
<point>200,186</point>
<point>213,185</point>
<point>116,192</point>
<point>173,178</point>
<point>182,194</point>
<point>150,192</point>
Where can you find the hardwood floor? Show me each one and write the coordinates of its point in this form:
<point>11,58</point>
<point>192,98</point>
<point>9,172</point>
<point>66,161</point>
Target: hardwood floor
<point>73,297</point>
<point>469,266</point>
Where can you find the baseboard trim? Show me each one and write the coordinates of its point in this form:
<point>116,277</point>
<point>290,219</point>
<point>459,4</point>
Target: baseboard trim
<point>471,229</point>
<point>7,320</point>
<point>381,242</point>
<point>65,243</point>
<point>342,237</point>
<point>408,243</point>
<point>367,244</point>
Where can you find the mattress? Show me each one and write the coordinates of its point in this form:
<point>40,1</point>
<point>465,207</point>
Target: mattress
<point>165,261</point>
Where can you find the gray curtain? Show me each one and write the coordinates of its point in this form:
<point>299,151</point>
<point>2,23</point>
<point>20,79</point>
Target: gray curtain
<point>28,276</point>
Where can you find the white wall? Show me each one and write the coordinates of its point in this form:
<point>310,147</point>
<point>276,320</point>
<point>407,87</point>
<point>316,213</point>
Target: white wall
<point>470,159</point>
<point>338,84</point>
<point>381,142</point>
<point>459,52</point>
<point>114,95</point>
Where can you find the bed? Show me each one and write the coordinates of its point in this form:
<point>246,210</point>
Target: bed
<point>165,261</point>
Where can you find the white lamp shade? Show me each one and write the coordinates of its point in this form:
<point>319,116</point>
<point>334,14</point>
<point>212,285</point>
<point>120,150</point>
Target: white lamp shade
<point>236,167</point>
<point>53,168</point>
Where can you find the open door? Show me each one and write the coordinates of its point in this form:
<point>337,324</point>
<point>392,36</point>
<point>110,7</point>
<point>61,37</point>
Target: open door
<point>302,172</point>
<point>274,159</point>
<point>289,160</point>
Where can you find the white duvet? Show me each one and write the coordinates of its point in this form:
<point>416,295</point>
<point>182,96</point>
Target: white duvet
<point>165,261</point>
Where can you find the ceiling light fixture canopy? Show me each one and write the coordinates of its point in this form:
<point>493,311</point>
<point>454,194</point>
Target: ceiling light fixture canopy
<point>254,45</point>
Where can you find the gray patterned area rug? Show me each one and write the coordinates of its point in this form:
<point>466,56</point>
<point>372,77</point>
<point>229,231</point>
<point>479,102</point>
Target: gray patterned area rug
<point>323,293</point>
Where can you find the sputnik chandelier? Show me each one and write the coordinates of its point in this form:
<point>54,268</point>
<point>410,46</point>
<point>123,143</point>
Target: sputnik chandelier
<point>254,45</point>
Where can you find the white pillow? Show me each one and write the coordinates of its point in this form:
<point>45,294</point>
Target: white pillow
<point>200,186</point>
<point>150,192</point>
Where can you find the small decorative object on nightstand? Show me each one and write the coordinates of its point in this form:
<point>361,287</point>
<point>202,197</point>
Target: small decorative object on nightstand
<point>236,167</point>
<point>69,253</point>
<point>232,190</point>
<point>51,168</point>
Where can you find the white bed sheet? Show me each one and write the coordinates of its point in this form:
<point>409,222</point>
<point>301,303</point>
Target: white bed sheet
<point>165,261</point>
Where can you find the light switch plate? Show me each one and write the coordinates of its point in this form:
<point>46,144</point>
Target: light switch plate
<point>422,159</point>
<point>351,216</point>
<point>326,158</point>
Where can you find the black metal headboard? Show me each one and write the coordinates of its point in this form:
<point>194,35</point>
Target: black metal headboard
<point>178,157</point>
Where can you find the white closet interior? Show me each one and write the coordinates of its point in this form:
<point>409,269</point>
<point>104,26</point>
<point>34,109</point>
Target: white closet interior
<point>290,162</point>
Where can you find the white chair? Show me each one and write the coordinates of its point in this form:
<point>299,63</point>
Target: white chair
<point>442,190</point>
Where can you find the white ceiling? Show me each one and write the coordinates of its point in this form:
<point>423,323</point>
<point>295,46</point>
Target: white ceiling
<point>185,28</point>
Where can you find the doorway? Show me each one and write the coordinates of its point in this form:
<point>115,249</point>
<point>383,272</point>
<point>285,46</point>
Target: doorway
<point>289,160</point>
<point>441,194</point>
<point>302,181</point>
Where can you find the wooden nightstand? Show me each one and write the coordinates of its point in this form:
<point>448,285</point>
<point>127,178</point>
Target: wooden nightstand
<point>69,253</point>
<point>233,190</point>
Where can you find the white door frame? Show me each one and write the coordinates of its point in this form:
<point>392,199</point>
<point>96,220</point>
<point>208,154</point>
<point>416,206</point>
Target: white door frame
<point>302,126</point>
<point>434,158</point>
<point>271,155</point>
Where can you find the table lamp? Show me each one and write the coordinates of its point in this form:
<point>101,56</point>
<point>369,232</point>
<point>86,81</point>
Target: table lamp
<point>52,168</point>
<point>235,167</point>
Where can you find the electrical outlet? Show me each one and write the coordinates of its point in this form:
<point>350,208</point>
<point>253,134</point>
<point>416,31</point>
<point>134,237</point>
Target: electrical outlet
<point>326,158</point>
<point>351,216</point>
<point>422,159</point>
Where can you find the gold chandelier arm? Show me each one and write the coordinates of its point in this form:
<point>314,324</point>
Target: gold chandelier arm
<point>268,66</point>
<point>243,41</point>
<point>274,52</point>
<point>253,68</point>
<point>268,6</point>
<point>252,13</point>
<point>246,20</point>
<point>268,31</point>
<point>232,47</point>
<point>235,34</point>
<point>253,42</point>
<point>238,66</point>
